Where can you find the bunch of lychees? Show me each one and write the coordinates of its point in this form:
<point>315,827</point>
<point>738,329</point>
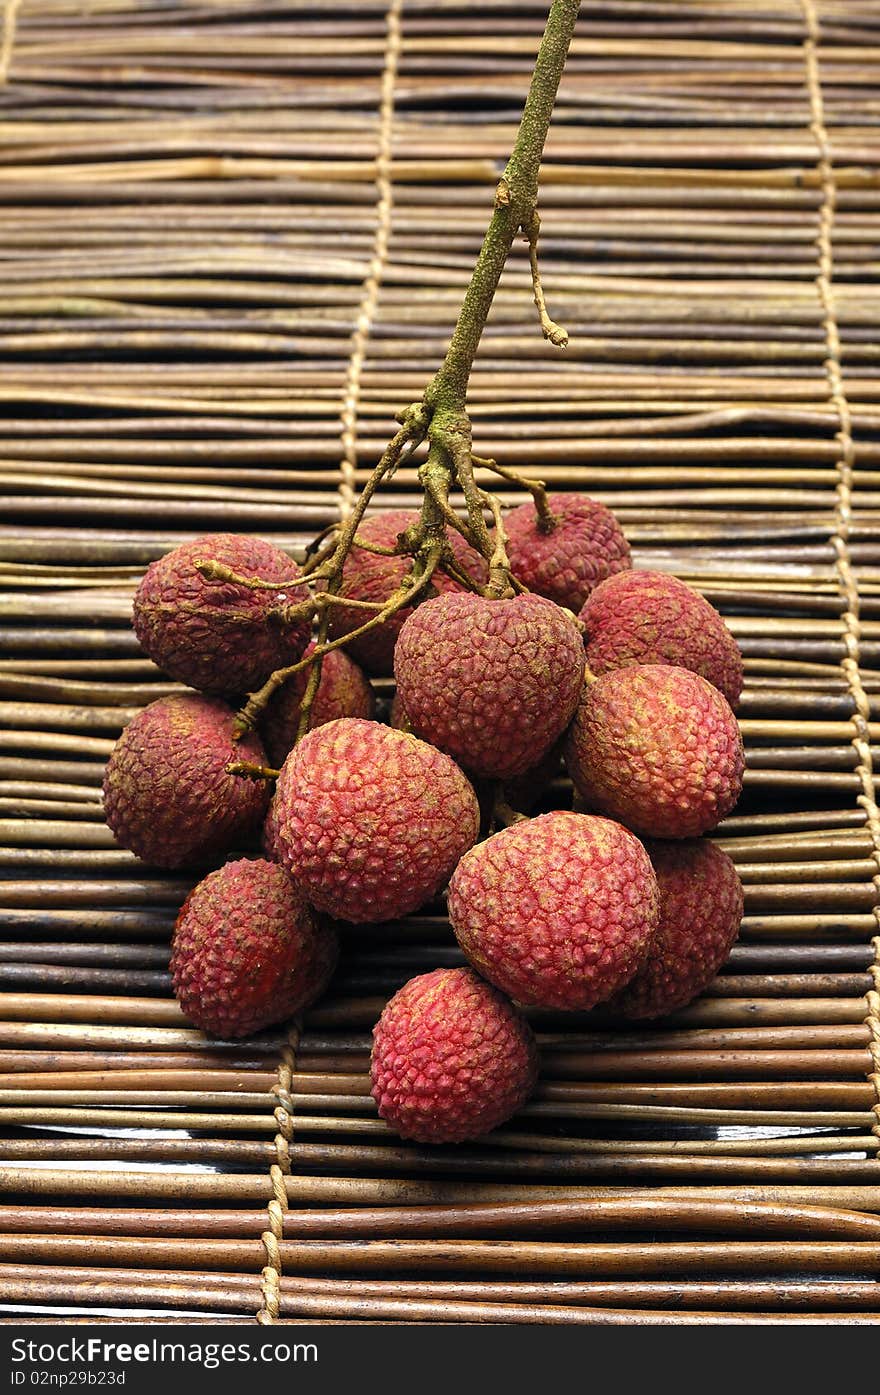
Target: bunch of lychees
<point>542,645</point>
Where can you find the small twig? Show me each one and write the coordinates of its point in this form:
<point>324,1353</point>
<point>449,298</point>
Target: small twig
<point>313,681</point>
<point>500,578</point>
<point>449,565</point>
<point>315,558</point>
<point>411,586</point>
<point>503,814</point>
<point>324,534</point>
<point>547,520</point>
<point>375,548</point>
<point>326,598</point>
<point>431,488</point>
<point>217,571</point>
<point>251,771</point>
<point>531,226</point>
<point>474,497</point>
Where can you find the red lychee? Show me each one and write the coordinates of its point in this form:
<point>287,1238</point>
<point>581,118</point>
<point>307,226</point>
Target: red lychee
<point>370,822</point>
<point>167,795</point>
<point>368,577</point>
<point>492,682</point>
<point>269,835</point>
<point>658,748</point>
<point>521,791</point>
<point>219,636</point>
<point>557,911</point>
<point>247,951</point>
<point>343,691</point>
<point>642,617</point>
<point>584,546</point>
<point>701,906</point>
<point>452,1058</point>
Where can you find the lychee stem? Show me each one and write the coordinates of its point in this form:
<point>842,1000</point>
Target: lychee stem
<point>441,415</point>
<point>501,582</point>
<point>547,520</point>
<point>250,771</point>
<point>503,814</point>
<point>407,592</point>
<point>217,571</point>
<point>515,203</point>
<point>531,227</point>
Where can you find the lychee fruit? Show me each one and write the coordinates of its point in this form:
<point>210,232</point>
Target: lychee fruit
<point>369,577</point>
<point>492,682</point>
<point>701,906</point>
<point>343,691</point>
<point>643,617</point>
<point>219,636</point>
<point>370,822</point>
<point>248,951</point>
<point>269,834</point>
<point>558,911</point>
<point>167,795</point>
<point>658,748</point>
<point>452,1058</point>
<point>521,792</point>
<point>584,546</point>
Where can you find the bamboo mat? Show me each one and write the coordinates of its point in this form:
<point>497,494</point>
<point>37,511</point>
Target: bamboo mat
<point>234,240</point>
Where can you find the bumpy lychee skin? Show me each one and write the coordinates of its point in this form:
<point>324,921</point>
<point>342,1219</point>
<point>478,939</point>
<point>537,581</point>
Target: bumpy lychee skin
<point>368,577</point>
<point>167,795</point>
<point>218,636</point>
<point>343,691</point>
<point>493,683</point>
<point>370,822</point>
<point>269,834</point>
<point>452,1058</point>
<point>658,748</point>
<point>642,617</point>
<point>585,546</point>
<point>701,906</point>
<point>248,951</point>
<point>558,911</point>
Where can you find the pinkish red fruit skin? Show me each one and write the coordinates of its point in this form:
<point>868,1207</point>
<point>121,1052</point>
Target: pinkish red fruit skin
<point>557,911</point>
<point>701,906</point>
<point>584,547</point>
<point>167,796</point>
<point>521,792</point>
<point>643,617</point>
<point>370,822</point>
<point>218,636</point>
<point>493,683</point>
<point>343,691</point>
<point>248,951</point>
<point>368,577</point>
<point>452,1058</point>
<point>658,748</point>
<point>269,835</point>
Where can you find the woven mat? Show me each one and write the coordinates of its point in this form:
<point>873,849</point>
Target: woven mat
<point>235,237</point>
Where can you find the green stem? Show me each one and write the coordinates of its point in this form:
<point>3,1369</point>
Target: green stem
<point>515,202</point>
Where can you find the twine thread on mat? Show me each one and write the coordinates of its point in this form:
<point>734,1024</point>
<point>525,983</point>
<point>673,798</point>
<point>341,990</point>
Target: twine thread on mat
<point>271,1274</point>
<point>277,1207</point>
<point>843,511</point>
<point>11,11</point>
<point>373,281</point>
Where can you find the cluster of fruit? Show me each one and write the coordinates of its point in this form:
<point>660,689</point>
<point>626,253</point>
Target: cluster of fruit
<point>628,676</point>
